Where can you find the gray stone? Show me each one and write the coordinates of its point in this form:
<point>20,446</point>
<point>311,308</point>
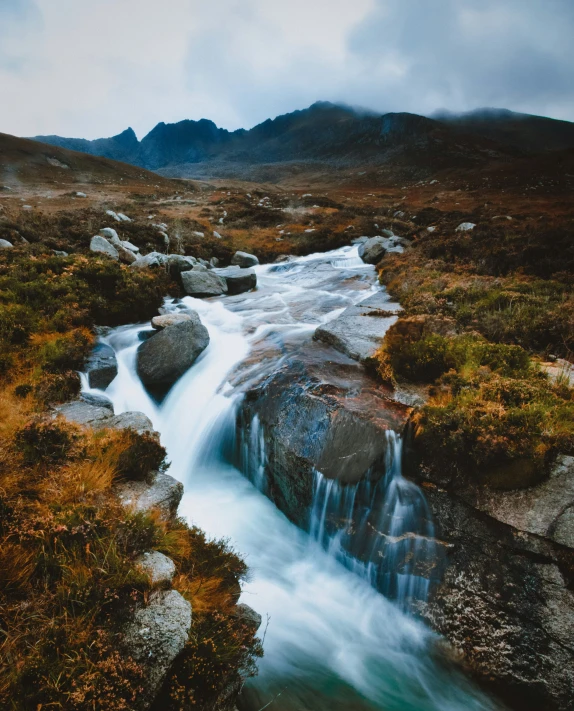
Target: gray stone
<point>131,420</point>
<point>152,260</point>
<point>203,283</point>
<point>162,495</point>
<point>165,320</point>
<point>157,566</point>
<point>214,261</point>
<point>244,259</point>
<point>113,215</point>
<point>359,330</point>
<point>101,366</point>
<point>123,218</point>
<point>164,358</point>
<point>465,227</point>
<point>4,244</point>
<point>238,280</point>
<point>60,253</point>
<point>154,637</point>
<point>101,245</point>
<point>248,616</point>
<point>81,413</point>
<point>130,246</point>
<point>111,235</point>
<point>177,264</point>
<point>98,400</point>
<point>375,248</point>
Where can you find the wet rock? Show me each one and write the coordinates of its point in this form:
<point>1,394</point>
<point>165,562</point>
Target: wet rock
<point>165,320</point>
<point>101,366</point>
<point>359,331</point>
<point>244,259</point>
<point>4,244</point>
<point>203,283</point>
<point>101,245</point>
<point>98,400</point>
<point>238,280</point>
<point>162,495</point>
<point>164,358</point>
<point>154,637</point>
<point>157,566</point>
<point>318,412</point>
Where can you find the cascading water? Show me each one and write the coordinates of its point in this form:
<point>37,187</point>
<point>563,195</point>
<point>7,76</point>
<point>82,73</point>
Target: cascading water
<point>381,530</point>
<point>333,643</point>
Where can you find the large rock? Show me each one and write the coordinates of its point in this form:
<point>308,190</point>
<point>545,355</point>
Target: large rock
<point>164,358</point>
<point>101,245</point>
<point>4,244</point>
<point>158,567</point>
<point>238,280</point>
<point>162,495</point>
<point>318,412</point>
<point>112,236</point>
<point>359,331</point>
<point>177,264</point>
<point>154,637</point>
<point>244,259</point>
<point>83,413</point>
<point>203,283</point>
<point>136,421</point>
<point>153,260</point>
<point>101,366</point>
<point>505,600</point>
<point>165,320</point>
<point>375,248</point>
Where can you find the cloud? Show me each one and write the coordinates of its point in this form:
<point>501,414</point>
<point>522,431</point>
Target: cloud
<point>92,69</point>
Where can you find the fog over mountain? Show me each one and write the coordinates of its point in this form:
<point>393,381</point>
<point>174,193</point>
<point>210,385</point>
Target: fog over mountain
<point>238,63</point>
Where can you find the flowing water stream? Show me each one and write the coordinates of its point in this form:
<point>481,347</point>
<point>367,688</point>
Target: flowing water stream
<point>332,642</point>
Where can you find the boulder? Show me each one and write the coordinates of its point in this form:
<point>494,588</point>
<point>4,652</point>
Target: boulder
<point>98,400</point>
<point>164,358</point>
<point>203,283</point>
<point>126,255</point>
<point>248,617</point>
<point>214,261</point>
<point>154,637</point>
<point>243,259</point>
<point>130,246</point>
<point>112,236</point>
<point>162,495</point>
<point>177,264</point>
<point>123,218</point>
<point>375,248</point>
<point>136,421</point>
<point>238,280</point>
<point>113,215</point>
<point>101,245</point>
<point>152,260</point>
<point>82,413</point>
<point>4,244</point>
<point>165,320</point>
<point>465,227</point>
<point>101,366</point>
<point>157,566</point>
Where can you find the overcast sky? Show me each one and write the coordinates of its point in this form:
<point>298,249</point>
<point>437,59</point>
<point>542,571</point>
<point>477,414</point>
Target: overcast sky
<point>91,68</point>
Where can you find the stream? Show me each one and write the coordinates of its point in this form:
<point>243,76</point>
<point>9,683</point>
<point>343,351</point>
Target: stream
<point>332,642</point>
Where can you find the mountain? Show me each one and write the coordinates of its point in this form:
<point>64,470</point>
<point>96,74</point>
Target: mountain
<point>25,161</point>
<point>536,134</point>
<point>338,136</point>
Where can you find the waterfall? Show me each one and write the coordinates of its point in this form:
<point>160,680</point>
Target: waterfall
<point>332,642</point>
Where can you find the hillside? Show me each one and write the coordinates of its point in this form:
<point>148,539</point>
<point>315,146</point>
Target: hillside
<point>28,162</point>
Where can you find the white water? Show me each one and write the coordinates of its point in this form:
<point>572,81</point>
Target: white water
<point>332,642</point>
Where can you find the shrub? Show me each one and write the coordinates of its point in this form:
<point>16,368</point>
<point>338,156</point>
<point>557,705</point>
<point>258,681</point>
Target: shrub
<point>45,441</point>
<point>141,455</point>
<point>67,352</point>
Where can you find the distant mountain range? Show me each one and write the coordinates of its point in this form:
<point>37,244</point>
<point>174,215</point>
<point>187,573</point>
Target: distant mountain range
<point>336,136</point>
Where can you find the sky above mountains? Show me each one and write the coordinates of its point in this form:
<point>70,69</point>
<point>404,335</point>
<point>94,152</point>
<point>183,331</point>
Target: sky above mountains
<point>90,69</point>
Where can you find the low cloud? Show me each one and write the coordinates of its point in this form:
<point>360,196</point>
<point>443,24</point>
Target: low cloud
<point>92,69</point>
